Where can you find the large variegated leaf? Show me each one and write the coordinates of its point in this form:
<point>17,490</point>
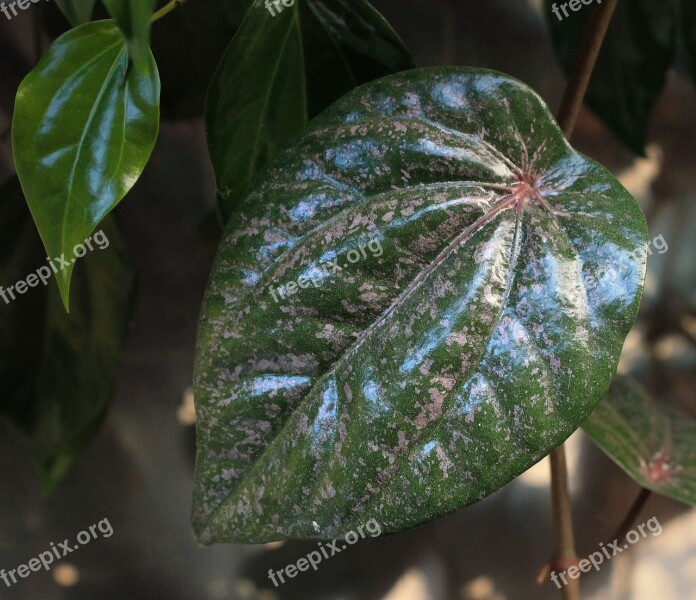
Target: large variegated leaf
<point>418,300</point>
<point>654,445</point>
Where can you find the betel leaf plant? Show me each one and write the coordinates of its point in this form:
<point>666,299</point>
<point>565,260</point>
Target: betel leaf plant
<point>407,385</point>
<point>422,289</point>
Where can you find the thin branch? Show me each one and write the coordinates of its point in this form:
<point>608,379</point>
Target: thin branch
<point>166,9</point>
<point>583,67</point>
<point>632,514</point>
<point>567,118</point>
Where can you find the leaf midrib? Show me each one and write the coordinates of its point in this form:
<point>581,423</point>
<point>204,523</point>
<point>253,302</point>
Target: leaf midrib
<point>462,238</point>
<point>71,179</point>
<point>435,429</point>
<point>410,289</point>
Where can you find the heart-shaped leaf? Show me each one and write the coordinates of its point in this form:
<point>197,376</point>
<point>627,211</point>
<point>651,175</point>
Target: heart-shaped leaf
<point>77,12</point>
<point>58,370</point>
<point>654,445</point>
<point>632,66</point>
<point>280,70</point>
<point>419,299</point>
<point>133,19</point>
<point>84,127</point>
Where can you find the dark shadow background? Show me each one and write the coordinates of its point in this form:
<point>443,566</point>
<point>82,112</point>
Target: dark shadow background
<point>138,472</point>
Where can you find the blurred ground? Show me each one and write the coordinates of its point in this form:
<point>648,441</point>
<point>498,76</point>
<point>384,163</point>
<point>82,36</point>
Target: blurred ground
<point>138,473</point>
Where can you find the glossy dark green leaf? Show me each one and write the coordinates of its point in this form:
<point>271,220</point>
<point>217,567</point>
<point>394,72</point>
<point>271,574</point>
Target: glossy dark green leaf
<point>632,65</point>
<point>281,70</point>
<point>77,12</point>
<point>418,300</point>
<point>654,445</point>
<point>256,101</point>
<point>84,127</point>
<point>58,370</point>
<point>133,19</point>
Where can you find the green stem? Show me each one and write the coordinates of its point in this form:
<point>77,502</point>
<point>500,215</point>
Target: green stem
<point>166,9</point>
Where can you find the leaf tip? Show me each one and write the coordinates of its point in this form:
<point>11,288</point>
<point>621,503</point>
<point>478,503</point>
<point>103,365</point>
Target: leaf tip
<point>64,287</point>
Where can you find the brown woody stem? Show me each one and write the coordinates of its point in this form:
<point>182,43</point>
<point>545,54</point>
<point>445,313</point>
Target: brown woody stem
<point>583,67</point>
<point>632,514</point>
<point>567,118</point>
<point>564,544</point>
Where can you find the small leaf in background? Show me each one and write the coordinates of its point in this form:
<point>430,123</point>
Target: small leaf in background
<point>281,70</point>
<point>133,19</point>
<point>632,66</point>
<point>57,370</point>
<point>256,101</point>
<point>83,130</point>
<point>654,445</point>
<point>77,12</point>
<point>347,43</point>
<point>421,297</point>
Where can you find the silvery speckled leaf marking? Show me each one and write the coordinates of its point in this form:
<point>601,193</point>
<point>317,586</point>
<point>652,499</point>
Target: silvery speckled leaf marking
<point>409,382</point>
